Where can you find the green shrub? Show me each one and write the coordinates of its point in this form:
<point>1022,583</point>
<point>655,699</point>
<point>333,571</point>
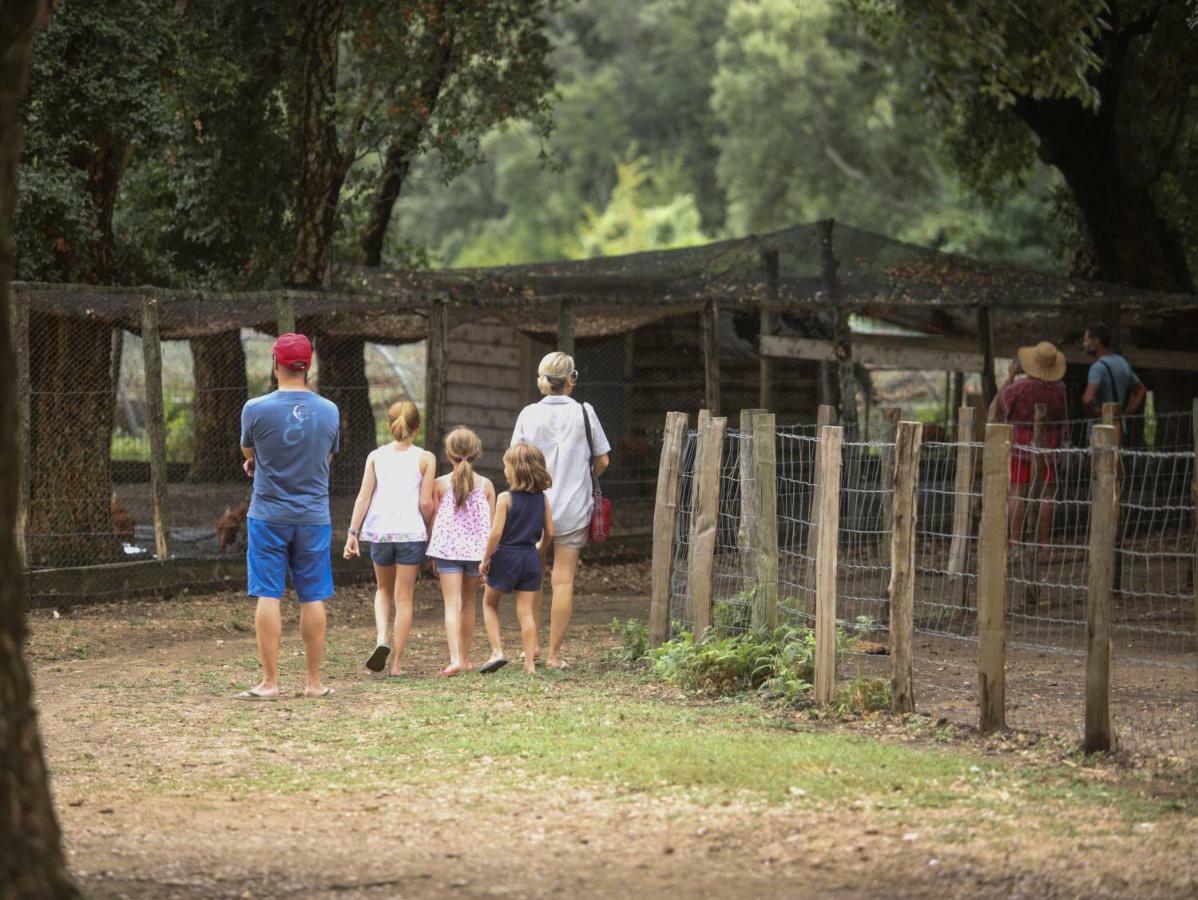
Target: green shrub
<point>863,695</point>
<point>776,664</point>
<point>734,615</point>
<point>633,637</point>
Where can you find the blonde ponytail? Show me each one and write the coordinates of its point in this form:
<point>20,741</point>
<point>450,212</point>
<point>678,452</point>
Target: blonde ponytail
<point>403,420</point>
<point>555,373</point>
<point>462,446</point>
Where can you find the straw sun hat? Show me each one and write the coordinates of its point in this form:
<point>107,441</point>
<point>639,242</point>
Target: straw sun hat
<point>1043,361</point>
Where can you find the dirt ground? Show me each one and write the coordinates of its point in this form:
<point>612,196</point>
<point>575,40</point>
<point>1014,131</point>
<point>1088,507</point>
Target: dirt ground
<point>166,787</point>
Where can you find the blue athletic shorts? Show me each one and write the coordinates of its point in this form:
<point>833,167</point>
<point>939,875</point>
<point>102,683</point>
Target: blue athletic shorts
<point>467,567</point>
<point>515,569</point>
<point>275,549</point>
<point>397,553</point>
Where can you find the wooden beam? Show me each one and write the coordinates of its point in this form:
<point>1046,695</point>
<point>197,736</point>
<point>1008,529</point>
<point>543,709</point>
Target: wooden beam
<point>665,518</point>
<point>1104,503</point>
<point>986,346</point>
<point>826,415</point>
<point>955,354</point>
<point>890,419</point>
<point>747,524</point>
<point>565,327</point>
<point>958,550</point>
<point>901,590</point>
<point>19,325</point>
<point>711,357</point>
<point>842,333</point>
<point>434,376</point>
<point>828,466</point>
<point>992,578</point>
<point>705,516</point>
<point>284,314</point>
<point>156,426</point>
<point>765,326</point>
<point>765,528</point>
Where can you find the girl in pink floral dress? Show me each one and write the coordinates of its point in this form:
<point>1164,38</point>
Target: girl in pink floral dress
<point>465,504</point>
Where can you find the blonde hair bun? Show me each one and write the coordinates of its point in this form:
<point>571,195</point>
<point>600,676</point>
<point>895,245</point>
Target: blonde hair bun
<point>555,372</point>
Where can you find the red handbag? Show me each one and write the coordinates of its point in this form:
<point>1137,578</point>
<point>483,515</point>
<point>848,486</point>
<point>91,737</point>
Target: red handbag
<point>601,508</point>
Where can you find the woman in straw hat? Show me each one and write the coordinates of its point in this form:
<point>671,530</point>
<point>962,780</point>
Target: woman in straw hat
<point>1044,366</point>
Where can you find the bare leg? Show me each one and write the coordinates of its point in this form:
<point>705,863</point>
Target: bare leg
<point>312,629</point>
<point>268,624</point>
<point>451,593</point>
<point>405,587</point>
<point>491,598</point>
<point>469,607</point>
<point>565,564</point>
<point>528,628</point>
<point>384,577</point>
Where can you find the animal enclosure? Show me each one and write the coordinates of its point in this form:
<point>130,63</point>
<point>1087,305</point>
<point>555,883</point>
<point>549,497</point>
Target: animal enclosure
<point>1034,604</point>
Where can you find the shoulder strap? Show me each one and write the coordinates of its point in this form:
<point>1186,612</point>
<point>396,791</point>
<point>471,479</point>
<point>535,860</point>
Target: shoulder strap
<point>586,424</point>
<point>1114,382</point>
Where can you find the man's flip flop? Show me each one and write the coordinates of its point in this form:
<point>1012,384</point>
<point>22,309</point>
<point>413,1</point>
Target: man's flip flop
<point>493,666</point>
<point>327,692</point>
<point>378,658</point>
<point>254,695</point>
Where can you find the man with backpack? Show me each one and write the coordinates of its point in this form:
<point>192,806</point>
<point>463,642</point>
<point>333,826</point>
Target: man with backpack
<point>1111,378</point>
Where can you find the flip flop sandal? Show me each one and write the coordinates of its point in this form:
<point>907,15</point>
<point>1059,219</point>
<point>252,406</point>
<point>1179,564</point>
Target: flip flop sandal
<point>398,675</point>
<point>255,696</point>
<point>327,692</point>
<point>493,666</point>
<point>378,658</point>
<point>449,672</point>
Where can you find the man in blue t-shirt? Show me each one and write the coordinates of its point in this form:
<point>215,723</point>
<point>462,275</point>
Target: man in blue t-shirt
<point>1111,378</point>
<point>288,438</point>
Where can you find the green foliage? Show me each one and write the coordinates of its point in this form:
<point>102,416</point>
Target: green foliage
<point>777,664</point>
<point>862,696</point>
<point>734,615</point>
<point>180,438</point>
<point>633,638</point>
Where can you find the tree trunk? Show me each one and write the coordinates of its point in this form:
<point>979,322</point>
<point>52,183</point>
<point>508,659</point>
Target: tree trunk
<point>400,153</point>
<point>322,167</point>
<point>218,362</point>
<point>342,379</point>
<point>31,861</point>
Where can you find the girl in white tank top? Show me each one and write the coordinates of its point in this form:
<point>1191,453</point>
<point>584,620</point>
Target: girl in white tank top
<point>391,513</point>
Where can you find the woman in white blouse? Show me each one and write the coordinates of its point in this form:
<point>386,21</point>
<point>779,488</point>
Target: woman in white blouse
<point>555,425</point>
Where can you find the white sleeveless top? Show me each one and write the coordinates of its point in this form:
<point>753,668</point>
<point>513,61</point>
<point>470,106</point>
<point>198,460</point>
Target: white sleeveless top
<point>394,513</point>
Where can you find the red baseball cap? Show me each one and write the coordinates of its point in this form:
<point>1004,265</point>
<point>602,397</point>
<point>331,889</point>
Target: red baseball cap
<point>292,351</point>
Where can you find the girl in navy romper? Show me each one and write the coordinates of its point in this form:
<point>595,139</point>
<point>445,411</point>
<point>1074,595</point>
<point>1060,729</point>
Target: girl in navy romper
<point>515,555</point>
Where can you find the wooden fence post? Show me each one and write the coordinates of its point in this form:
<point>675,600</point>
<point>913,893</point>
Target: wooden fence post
<point>958,549</point>
<point>827,467</point>
<point>565,327</point>
<point>765,542</point>
<point>745,531</point>
<point>890,419</point>
<point>1104,504</point>
<point>824,417</point>
<point>155,425</point>
<point>902,566</point>
<point>434,376</point>
<point>284,314</point>
<point>19,324</point>
<point>705,521</point>
<point>992,578</point>
<point>665,518</point>
<point>1112,415</point>
<point>711,356</point>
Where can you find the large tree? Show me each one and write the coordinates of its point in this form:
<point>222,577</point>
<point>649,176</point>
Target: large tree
<point>95,95</point>
<point>31,860</point>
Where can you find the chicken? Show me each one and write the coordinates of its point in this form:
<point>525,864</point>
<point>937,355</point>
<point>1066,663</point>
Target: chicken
<point>122,522</point>
<point>228,526</point>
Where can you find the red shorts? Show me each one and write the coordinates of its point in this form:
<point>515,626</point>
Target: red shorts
<point>1021,469</point>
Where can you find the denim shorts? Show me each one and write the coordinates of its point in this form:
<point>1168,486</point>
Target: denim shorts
<point>467,567</point>
<point>275,549</point>
<point>404,553</point>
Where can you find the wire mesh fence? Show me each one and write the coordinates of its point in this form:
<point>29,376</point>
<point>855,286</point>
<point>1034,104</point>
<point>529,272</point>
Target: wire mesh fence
<point>1154,687</point>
